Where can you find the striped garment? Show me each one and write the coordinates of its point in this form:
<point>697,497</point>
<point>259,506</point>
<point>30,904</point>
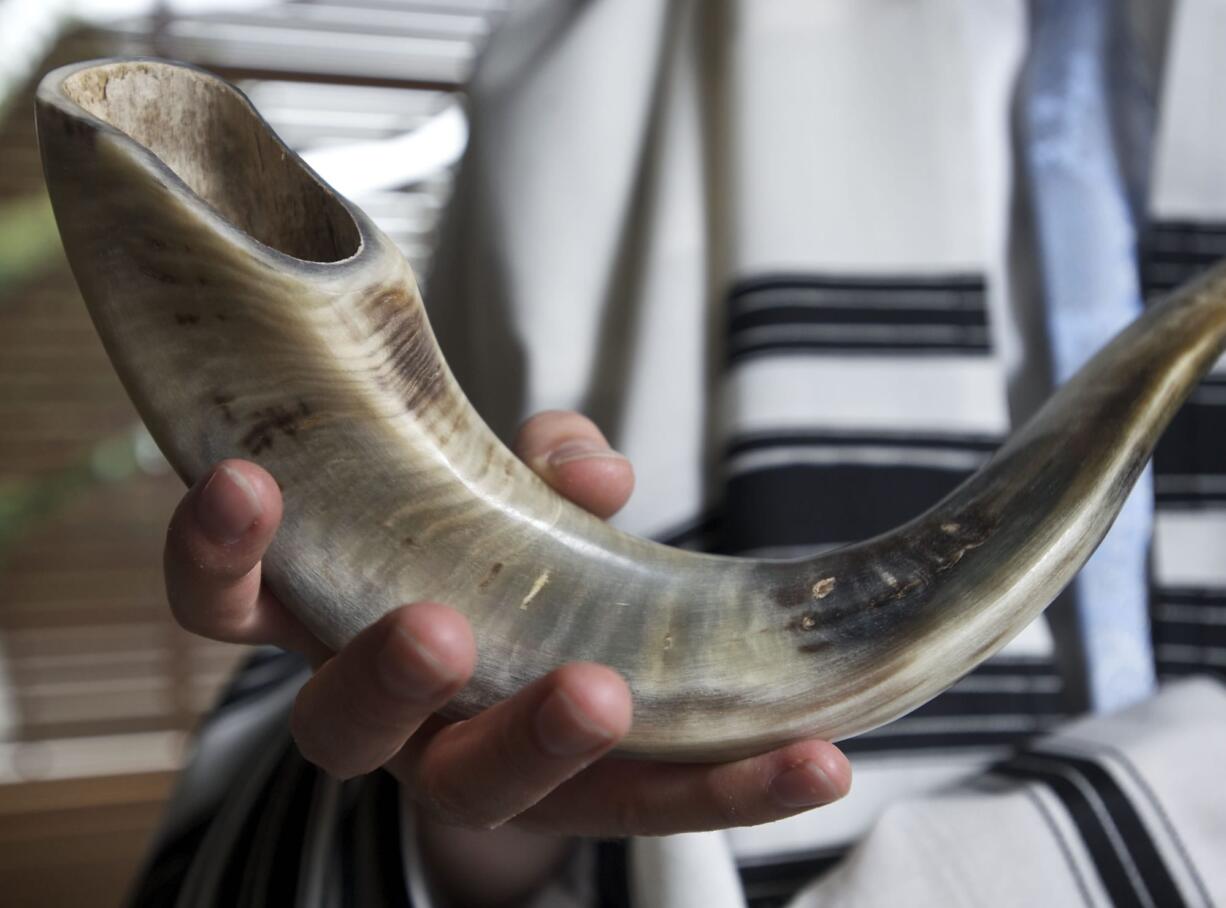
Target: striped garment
<point>783,255</point>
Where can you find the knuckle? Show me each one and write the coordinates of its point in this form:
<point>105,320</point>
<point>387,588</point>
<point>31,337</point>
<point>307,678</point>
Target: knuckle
<point>224,614</point>
<point>447,801</point>
<point>450,792</point>
<point>629,815</point>
<point>516,753</point>
<point>721,799</point>
<point>371,710</point>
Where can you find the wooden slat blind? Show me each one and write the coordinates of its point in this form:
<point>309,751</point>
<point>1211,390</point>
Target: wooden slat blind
<point>95,678</point>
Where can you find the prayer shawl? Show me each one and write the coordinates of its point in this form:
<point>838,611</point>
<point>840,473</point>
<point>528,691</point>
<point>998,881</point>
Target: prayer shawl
<point>805,262</point>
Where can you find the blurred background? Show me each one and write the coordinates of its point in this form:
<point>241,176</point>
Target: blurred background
<point>98,687</point>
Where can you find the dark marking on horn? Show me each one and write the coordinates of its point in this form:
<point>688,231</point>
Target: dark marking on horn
<point>487,460</point>
<point>790,596</point>
<point>272,420</point>
<point>222,402</point>
<point>398,318</point>
<point>883,587</point>
<point>156,274</point>
<point>490,576</point>
<point>458,425</point>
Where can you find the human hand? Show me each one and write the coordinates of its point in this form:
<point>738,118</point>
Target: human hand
<point>535,758</point>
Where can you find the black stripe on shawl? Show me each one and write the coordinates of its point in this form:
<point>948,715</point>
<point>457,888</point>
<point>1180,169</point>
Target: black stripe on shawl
<point>1021,702</point>
<point>161,882</point>
<point>1034,700</point>
<point>265,669</point>
<point>612,874</point>
<point>1061,774</point>
<point>1192,446</point>
<point>385,792</point>
<point>775,506</point>
<point>899,346</point>
<point>1107,862</point>
<point>775,314</point>
<point>1191,660</point>
<point>963,290</point>
<point>1188,501</point>
<point>346,842</point>
<point>1144,792</point>
<point>230,886</point>
<point>1188,631</point>
<point>800,312</point>
<point>267,851</point>
<point>1145,854</point>
<point>284,838</point>
<point>772,882</point>
<point>371,850</point>
<point>1172,252</point>
<point>825,438</point>
<point>895,741</point>
<point>1173,671</point>
<point>1019,666</point>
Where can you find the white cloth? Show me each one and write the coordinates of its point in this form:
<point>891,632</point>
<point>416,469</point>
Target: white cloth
<point>1002,841</point>
<point>1138,791</point>
<point>644,175</point>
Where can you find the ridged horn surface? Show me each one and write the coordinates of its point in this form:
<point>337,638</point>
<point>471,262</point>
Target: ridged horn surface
<point>251,312</point>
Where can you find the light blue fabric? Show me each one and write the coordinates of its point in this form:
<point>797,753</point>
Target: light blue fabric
<point>1082,100</point>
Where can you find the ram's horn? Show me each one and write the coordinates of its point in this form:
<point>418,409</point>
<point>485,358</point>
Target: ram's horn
<point>253,313</point>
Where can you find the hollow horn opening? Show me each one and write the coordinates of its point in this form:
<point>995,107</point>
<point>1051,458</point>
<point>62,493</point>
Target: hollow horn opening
<point>209,135</point>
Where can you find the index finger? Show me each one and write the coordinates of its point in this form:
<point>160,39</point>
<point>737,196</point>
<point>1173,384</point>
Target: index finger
<point>569,452</point>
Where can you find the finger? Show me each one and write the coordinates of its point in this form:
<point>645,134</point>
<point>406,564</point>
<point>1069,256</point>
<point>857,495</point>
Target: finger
<point>365,702</point>
<point>570,453</point>
<point>630,797</point>
<point>488,769</point>
<point>214,544</point>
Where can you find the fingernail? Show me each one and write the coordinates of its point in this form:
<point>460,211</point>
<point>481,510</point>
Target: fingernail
<point>580,450</point>
<point>409,670</point>
<point>227,506</point>
<point>805,785</point>
<point>564,731</point>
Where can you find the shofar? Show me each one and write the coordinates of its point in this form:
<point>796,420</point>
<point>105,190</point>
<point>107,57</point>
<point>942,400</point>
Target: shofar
<point>251,312</point>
